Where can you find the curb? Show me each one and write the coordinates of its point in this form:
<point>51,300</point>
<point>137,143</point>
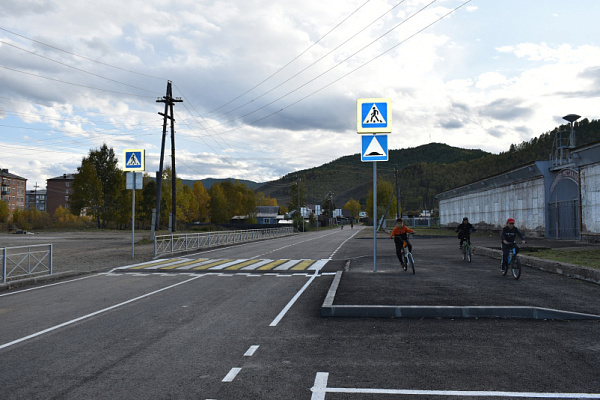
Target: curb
<point>328,309</point>
<point>39,279</point>
<point>556,267</point>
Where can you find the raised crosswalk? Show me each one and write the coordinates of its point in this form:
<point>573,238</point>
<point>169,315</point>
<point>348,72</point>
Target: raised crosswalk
<point>221,265</point>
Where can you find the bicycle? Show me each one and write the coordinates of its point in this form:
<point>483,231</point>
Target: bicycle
<point>407,258</point>
<point>467,252</point>
<point>514,263</point>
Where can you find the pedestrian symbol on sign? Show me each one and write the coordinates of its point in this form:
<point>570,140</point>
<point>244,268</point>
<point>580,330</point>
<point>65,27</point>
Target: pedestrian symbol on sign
<point>133,161</point>
<point>374,116</point>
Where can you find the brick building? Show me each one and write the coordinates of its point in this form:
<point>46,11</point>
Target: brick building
<point>58,192</point>
<point>12,190</point>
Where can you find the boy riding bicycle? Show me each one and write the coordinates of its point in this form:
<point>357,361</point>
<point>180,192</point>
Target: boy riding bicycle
<point>400,235</point>
<point>508,236</point>
<point>464,231</point>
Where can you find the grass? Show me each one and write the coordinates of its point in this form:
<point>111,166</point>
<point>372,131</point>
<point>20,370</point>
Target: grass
<point>585,257</point>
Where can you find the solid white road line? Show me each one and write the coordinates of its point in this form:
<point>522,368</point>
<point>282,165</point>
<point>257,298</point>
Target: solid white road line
<point>292,301</point>
<point>320,388</point>
<point>93,314</point>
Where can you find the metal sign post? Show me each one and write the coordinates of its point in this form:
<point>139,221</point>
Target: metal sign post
<point>374,116</point>
<point>133,160</point>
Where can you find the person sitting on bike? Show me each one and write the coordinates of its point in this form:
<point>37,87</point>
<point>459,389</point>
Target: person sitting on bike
<point>508,236</point>
<point>400,235</point>
<point>464,231</point>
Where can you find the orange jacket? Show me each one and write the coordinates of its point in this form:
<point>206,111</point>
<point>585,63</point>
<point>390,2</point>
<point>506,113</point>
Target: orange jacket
<point>402,231</point>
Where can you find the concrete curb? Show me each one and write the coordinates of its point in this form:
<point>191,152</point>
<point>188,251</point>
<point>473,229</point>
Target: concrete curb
<point>328,309</point>
<point>557,267</point>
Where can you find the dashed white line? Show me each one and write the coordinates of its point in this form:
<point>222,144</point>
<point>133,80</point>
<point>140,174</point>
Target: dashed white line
<point>250,352</point>
<point>231,375</point>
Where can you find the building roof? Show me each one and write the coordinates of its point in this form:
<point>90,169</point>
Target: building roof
<point>267,211</point>
<point>63,177</point>
<point>4,172</point>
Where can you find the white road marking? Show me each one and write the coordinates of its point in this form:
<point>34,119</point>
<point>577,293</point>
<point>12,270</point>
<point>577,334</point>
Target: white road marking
<point>93,314</point>
<point>292,301</point>
<point>51,284</point>
<point>231,375</point>
<point>250,352</point>
<point>320,388</point>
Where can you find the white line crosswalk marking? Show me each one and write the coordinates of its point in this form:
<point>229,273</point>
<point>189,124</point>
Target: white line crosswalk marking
<point>181,264</point>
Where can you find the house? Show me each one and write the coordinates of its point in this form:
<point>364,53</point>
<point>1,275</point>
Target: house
<point>35,199</point>
<point>12,190</point>
<point>58,192</point>
<point>266,215</point>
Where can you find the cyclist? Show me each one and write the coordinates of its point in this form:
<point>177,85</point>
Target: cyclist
<point>400,235</point>
<point>464,231</point>
<point>508,236</point>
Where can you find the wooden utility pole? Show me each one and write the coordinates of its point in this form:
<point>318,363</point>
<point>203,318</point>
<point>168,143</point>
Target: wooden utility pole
<point>168,116</point>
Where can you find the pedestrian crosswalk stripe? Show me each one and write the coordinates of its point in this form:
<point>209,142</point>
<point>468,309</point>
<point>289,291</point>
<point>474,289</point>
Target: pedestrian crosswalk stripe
<point>192,263</point>
<point>189,265</point>
<point>302,265</point>
<point>271,265</point>
<point>212,264</point>
<point>241,265</point>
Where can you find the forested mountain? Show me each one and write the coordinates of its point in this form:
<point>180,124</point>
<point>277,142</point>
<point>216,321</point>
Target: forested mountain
<point>423,171</point>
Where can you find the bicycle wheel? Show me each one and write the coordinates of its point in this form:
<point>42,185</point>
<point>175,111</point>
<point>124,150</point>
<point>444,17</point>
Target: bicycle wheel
<point>469,254</point>
<point>404,261</point>
<point>464,251</point>
<point>411,261</point>
<point>516,267</point>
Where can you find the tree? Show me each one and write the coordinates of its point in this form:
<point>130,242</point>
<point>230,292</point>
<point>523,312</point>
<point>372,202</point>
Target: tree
<point>218,205</point>
<point>4,211</point>
<point>187,205</point>
<point>105,203</point>
<point>297,196</point>
<point>384,192</point>
<point>354,207</point>
<point>203,201</point>
<point>147,202</point>
<point>87,192</point>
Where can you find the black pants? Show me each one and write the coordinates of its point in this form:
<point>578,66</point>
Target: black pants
<point>399,245</point>
<point>506,248</point>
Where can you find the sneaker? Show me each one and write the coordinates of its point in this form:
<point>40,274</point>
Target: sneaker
<point>404,267</point>
<point>502,268</point>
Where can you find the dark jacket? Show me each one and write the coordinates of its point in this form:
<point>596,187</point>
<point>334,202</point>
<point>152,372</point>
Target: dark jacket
<point>510,234</point>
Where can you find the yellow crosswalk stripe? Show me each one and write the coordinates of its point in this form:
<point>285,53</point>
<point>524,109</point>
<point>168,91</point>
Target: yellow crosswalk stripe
<point>271,265</point>
<point>302,265</point>
<point>184,264</point>
<point>242,265</point>
<point>155,264</point>
<point>213,264</point>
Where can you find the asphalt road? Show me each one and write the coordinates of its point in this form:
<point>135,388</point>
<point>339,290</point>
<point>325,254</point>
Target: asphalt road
<point>259,335</point>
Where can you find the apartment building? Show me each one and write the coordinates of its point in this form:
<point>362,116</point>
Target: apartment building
<point>12,190</point>
<point>36,199</point>
<point>58,192</point>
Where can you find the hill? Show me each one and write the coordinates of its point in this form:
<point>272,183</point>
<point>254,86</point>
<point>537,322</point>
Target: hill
<point>423,171</point>
<point>208,182</point>
<point>349,177</point>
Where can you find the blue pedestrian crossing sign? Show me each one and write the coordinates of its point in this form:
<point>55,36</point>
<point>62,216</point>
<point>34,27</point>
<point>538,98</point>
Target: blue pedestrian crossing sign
<point>134,160</point>
<point>374,148</point>
<point>374,115</point>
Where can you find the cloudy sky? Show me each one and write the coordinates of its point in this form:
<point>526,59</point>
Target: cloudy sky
<point>270,87</point>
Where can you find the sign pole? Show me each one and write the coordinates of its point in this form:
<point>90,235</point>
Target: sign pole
<point>133,218</point>
<point>374,216</point>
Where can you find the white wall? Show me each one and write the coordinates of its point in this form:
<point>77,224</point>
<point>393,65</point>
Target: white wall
<point>524,201</point>
<point>590,198</point>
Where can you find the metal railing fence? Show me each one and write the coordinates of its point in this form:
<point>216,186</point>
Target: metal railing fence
<point>24,261</point>
<point>164,244</point>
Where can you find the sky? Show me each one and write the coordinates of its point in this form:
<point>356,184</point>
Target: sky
<point>270,87</point>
